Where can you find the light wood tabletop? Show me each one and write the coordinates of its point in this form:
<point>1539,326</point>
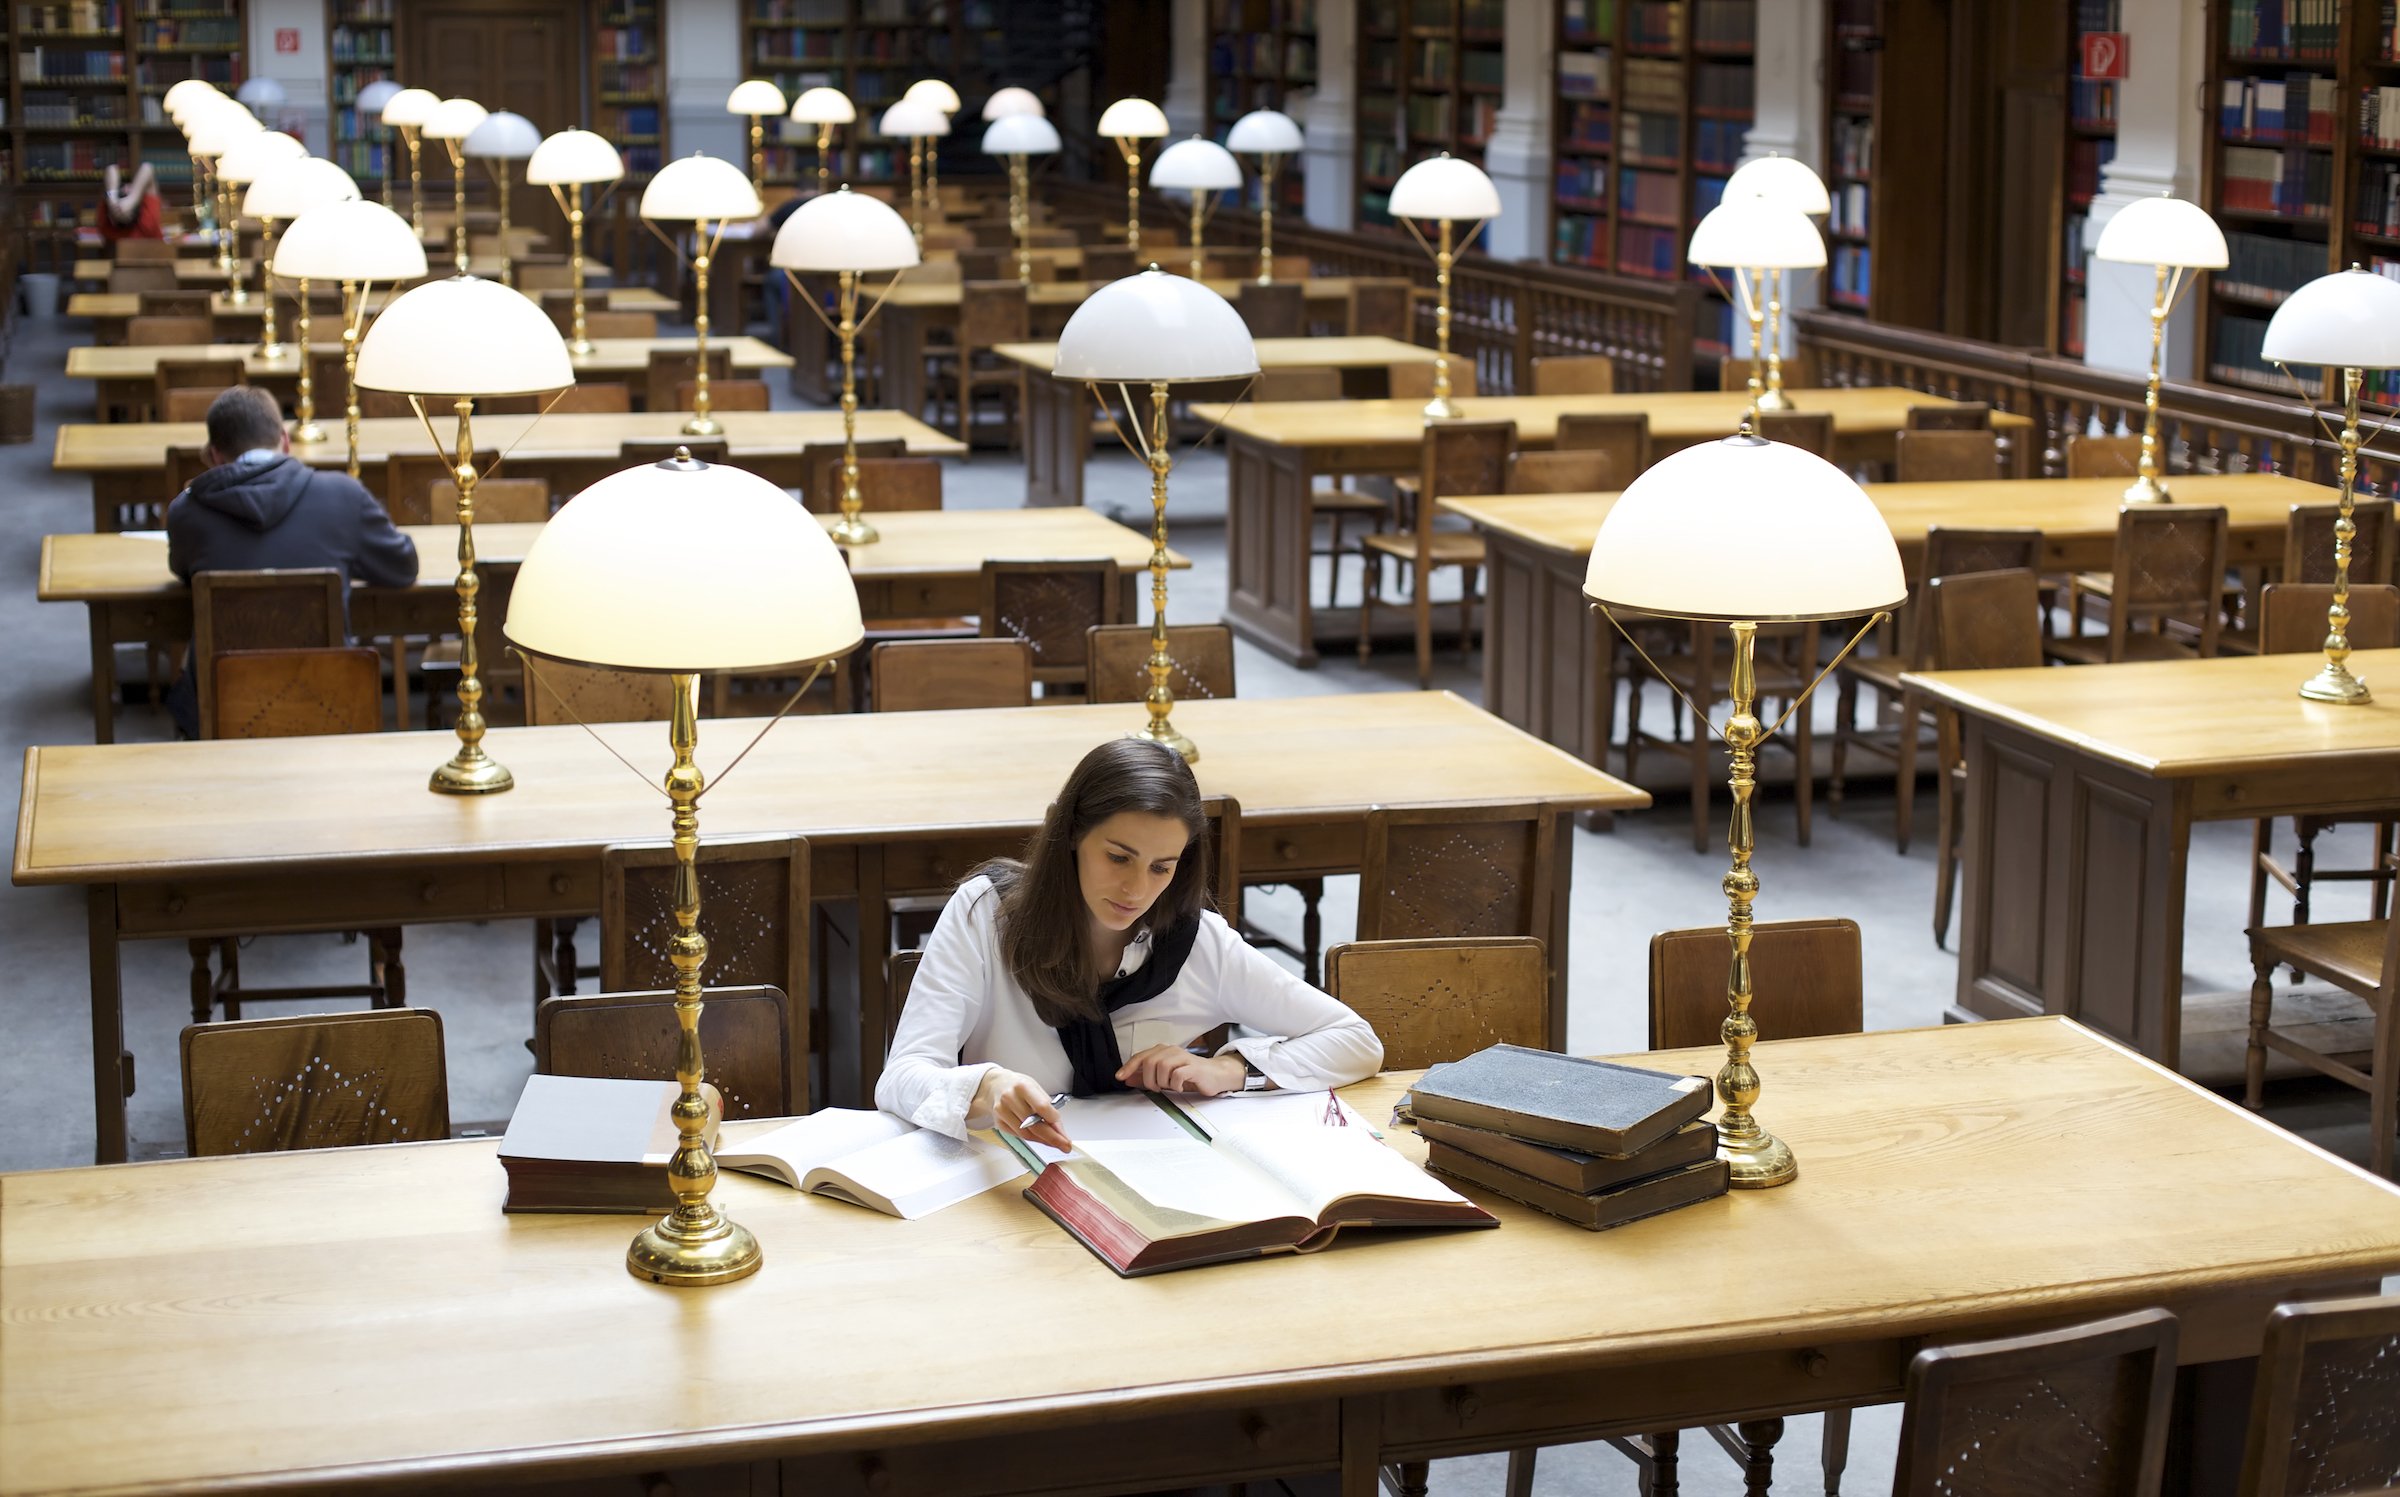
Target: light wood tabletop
<point>1970,1180</point>
<point>1676,416</point>
<point>202,270</point>
<point>919,295</point>
<point>106,306</point>
<point>608,356</point>
<point>190,270</point>
<point>1274,353</point>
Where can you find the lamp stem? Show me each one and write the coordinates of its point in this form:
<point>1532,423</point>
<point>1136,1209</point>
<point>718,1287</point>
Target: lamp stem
<point>350,321</point>
<point>1756,313</point>
<point>1131,150</point>
<point>1441,407</point>
<point>1020,217</point>
<point>933,178</point>
<point>758,155</point>
<point>199,193</point>
<point>387,166</point>
<point>916,189</point>
<point>1758,1158</point>
<point>470,771</point>
<point>1161,697</point>
<point>852,530</point>
<point>1266,220</point>
<point>307,431</point>
<point>1772,397</point>
<point>269,346</point>
<point>416,178</point>
<point>824,158</point>
<point>508,270</point>
<point>224,227</point>
<point>696,1244</point>
<point>702,423</point>
<point>229,229</point>
<point>458,203</point>
<point>2147,489</point>
<point>1199,217</point>
<point>2334,683</point>
<point>579,340</point>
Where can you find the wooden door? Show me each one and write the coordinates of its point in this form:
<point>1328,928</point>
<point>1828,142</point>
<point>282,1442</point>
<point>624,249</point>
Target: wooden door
<point>522,55</point>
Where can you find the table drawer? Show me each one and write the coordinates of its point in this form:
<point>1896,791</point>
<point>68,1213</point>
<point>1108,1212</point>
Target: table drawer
<point>1299,851</point>
<point>303,901</point>
<point>935,866</point>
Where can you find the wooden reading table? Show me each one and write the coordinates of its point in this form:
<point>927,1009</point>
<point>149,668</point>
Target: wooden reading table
<point>108,312</point>
<point>203,270</point>
<point>1954,1183</point>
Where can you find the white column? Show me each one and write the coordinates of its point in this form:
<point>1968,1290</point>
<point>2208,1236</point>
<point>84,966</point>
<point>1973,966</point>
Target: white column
<point>2158,150</point>
<point>704,62</point>
<point>1186,102</point>
<point>1788,119</point>
<point>302,73</point>
<point>1519,152</point>
<point>1329,119</point>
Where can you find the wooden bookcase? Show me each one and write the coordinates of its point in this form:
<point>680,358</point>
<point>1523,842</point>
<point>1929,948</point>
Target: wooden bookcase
<point>1654,98</point>
<point>629,82</point>
<point>869,49</point>
<point>2091,144</point>
<point>1259,53</point>
<point>1886,68</point>
<point>1429,81</point>
<point>362,46</point>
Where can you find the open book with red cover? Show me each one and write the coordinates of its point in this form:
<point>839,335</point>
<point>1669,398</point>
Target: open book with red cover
<point>1150,1189</point>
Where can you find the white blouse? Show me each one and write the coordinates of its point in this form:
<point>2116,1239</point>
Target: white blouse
<point>966,1014</point>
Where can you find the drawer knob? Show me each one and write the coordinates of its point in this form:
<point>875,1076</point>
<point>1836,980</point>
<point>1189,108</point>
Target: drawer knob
<point>1465,1404</point>
<point>174,904</point>
<point>427,890</point>
<point>1255,1430</point>
<point>1285,851</point>
<point>873,1472</point>
<point>558,883</point>
<point>1815,1363</point>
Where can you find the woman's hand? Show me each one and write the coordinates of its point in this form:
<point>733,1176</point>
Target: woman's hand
<point>1171,1068</point>
<point>1019,1107</point>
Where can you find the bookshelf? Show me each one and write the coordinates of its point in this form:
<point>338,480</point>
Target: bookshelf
<point>1259,53</point>
<point>629,82</point>
<point>869,49</point>
<point>1886,72</point>
<point>362,40</point>
<point>2091,145</point>
<point>1429,80</point>
<point>1654,99</point>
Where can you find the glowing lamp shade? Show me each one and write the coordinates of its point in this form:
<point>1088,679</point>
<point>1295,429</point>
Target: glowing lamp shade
<point>696,187</point>
<point>371,99</point>
<point>255,154</point>
<point>1197,166</point>
<point>754,96</point>
<point>504,137</point>
<point>453,119</point>
<point>1020,135</point>
<point>1745,529</point>
<point>843,230</point>
<point>573,156</point>
<point>219,132</point>
<point>350,241</point>
<point>2163,231</point>
<point>1264,132</point>
<point>2347,320</point>
<point>1752,233</point>
<point>755,583</point>
<point>824,106</point>
<point>411,107</point>
<point>1010,101</point>
<point>912,118</point>
<point>181,96</point>
<point>1445,187</point>
<point>1155,326</point>
<point>935,92</point>
<point>286,191</point>
<point>261,93</point>
<point>463,336</point>
<point>1781,179</point>
<point>1137,119</point>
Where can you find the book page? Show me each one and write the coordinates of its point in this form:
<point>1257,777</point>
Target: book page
<point>1189,1176</point>
<point>1119,1115</point>
<point>919,1173</point>
<point>1242,1112</point>
<point>791,1151</point>
<point>1323,1165</point>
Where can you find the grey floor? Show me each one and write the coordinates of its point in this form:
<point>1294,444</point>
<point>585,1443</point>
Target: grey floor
<point>1641,877</point>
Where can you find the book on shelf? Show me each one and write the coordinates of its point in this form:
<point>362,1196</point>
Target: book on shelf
<point>1854,148</point>
<point>588,1143</point>
<point>2092,103</point>
<point>1649,251</point>
<point>1647,195</point>
<point>875,1160</point>
<point>1591,1106</point>
<point>1568,1170</point>
<point>2268,268</point>
<point>1583,75</point>
<point>1850,275</point>
<point>2379,118</point>
<point>1849,215</point>
<point>1725,23</point>
<point>2294,110</point>
<point>2294,182</point>
<point>2277,30</point>
<point>1590,125</point>
<point>1595,1210</point>
<point>1655,25</point>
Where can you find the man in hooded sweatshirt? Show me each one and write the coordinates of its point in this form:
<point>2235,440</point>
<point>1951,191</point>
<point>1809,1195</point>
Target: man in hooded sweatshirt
<point>257,507</point>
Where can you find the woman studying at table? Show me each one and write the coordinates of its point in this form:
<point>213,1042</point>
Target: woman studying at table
<point>1091,965</point>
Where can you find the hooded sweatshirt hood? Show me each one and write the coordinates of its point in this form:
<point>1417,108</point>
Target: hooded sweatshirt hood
<point>257,497</point>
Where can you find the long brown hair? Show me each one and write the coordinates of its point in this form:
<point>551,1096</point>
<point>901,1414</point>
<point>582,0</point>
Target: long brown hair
<point>1043,918</point>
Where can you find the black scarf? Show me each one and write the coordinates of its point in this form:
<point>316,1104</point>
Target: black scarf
<point>1091,1044</point>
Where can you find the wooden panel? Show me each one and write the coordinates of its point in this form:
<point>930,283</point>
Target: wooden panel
<point>2016,810</point>
<point>2113,868</point>
<point>1120,1455</point>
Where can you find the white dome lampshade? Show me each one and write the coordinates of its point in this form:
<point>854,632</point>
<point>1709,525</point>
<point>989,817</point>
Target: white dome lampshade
<point>249,158</point>
<point>504,137</point>
<point>410,107</point>
<point>824,106</point>
<point>1154,326</point>
<point>755,581</point>
<point>220,132</point>
<point>1196,165</point>
<point>463,336</point>
<point>1133,119</point>
<point>912,119</point>
<point>1020,135</point>
<point>935,92</point>
<point>1265,132</point>
<point>2162,231</point>
<point>1787,536</point>
<point>453,119</point>
<point>843,230</point>
<point>284,192</point>
<point>261,93</point>
<point>371,99</point>
<point>181,96</point>
<point>350,241</point>
<point>2347,320</point>
<point>571,157</point>
<point>1753,233</point>
<point>692,188</point>
<point>1010,101</point>
<point>1781,179</point>
<point>754,96</point>
<point>1445,187</point>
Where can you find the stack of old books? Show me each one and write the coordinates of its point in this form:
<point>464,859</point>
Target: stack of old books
<point>1598,1144</point>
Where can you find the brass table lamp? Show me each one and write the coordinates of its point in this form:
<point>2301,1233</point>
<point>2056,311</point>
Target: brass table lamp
<point>824,108</point>
<point>1157,330</point>
<point>756,99</point>
<point>244,162</point>
<point>500,141</point>
<point>1786,537</point>
<point>708,194</point>
<point>210,131</point>
<point>451,122</point>
<point>460,340</point>
<point>916,122</point>
<point>2174,237</point>
<point>1757,238</point>
<point>1020,137</point>
<point>283,194</point>
<point>1129,122</point>
<point>1204,169</point>
<point>357,244</point>
<point>406,112</point>
<point>1790,182</point>
<point>368,106</point>
<point>847,235</point>
<point>180,100</point>
<point>1270,135</point>
<point>1449,192</point>
<point>564,163</point>
<point>945,101</point>
<point>756,586</point>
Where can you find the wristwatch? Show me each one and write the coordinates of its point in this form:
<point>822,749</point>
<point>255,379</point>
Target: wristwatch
<point>1253,1079</point>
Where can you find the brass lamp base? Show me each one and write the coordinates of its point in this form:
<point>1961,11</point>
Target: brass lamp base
<point>471,771</point>
<point>1441,408</point>
<point>716,1250</point>
<point>581,348</point>
<point>853,530</point>
<point>308,435</point>
<point>1164,732</point>
<point>703,426</point>
<point>1760,1162</point>
<point>2335,684</point>
<point>1774,400</point>
<point>2146,490</point>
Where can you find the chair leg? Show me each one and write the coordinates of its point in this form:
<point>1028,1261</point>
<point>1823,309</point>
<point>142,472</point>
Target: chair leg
<point>1665,1463</point>
<point>2262,842</point>
<point>1520,1473</point>
<point>1945,856</point>
<point>1370,582</point>
<point>229,976</point>
<point>1758,1461</point>
<point>1804,774</point>
<point>2254,1057</point>
<point>1407,1478</point>
<point>1845,709</point>
<point>204,979</point>
<point>2380,886</point>
<point>1837,1449</point>
<point>387,970</point>
<point>1312,927</point>
<point>1468,578</point>
<point>1420,598</point>
<point>1633,723</point>
<point>2383,1111</point>
<point>2304,870</point>
<point>1904,773</point>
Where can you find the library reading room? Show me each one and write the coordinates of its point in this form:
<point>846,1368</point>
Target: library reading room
<point>1405,748</point>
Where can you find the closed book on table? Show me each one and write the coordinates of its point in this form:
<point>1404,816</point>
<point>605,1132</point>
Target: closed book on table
<point>592,1143</point>
<point>1569,1170</point>
<point>1590,1106</point>
<point>1598,1210</point>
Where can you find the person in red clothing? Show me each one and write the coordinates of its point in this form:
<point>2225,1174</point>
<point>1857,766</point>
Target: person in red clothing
<point>131,210</point>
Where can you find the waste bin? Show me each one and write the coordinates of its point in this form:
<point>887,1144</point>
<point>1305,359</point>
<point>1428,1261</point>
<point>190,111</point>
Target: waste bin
<point>41,295</point>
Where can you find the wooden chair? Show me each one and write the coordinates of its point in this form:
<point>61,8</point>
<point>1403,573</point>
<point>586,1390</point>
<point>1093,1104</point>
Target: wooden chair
<point>1944,455</point>
<point>498,501</point>
<point>1561,473</point>
<point>745,1039</point>
<point>1699,671</point>
<point>2169,565</point>
<point>1050,605</point>
<point>1442,999</point>
<point>821,470</point>
<point>386,404</point>
<point>2362,958</point>
<point>670,368</point>
<point>1799,371</point>
<point>2081,1411</point>
<point>1297,384</point>
<point>409,477</point>
<point>177,303</point>
<point>1623,435</point>
<point>1108,262</point>
<point>990,312</point>
<point>186,405</point>
<point>547,275</point>
<point>133,279</point>
<point>292,608</point>
<point>1460,457</point>
<point>295,693</point>
<point>1456,871</point>
<point>600,398</point>
<point>1966,415</point>
<point>2320,1417</point>
<point>314,1081</point>
<point>1575,374</point>
<point>211,376</point>
<point>1275,311</point>
<point>992,262</point>
<point>2308,558</point>
<point>2104,457</point>
<point>726,395</point>
<point>157,332</point>
<point>1117,662</point>
<point>1810,431</point>
<point>142,252</point>
<point>921,675</point>
<point>1981,621</point>
<point>1414,381</point>
<point>1948,550</point>
<point>891,484</point>
<point>1383,308</point>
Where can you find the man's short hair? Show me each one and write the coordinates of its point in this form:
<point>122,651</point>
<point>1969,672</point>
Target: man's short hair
<point>242,418</point>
